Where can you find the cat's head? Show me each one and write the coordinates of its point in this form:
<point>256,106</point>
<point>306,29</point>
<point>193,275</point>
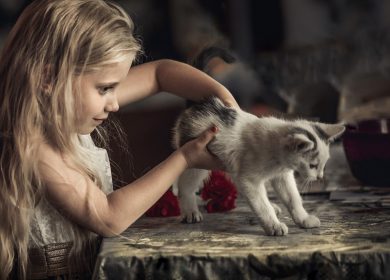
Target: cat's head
<point>307,147</point>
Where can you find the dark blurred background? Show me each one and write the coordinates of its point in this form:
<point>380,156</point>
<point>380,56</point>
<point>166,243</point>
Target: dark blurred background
<point>319,59</point>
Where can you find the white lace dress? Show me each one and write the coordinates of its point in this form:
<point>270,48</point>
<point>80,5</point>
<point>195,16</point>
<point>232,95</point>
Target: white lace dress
<point>48,226</point>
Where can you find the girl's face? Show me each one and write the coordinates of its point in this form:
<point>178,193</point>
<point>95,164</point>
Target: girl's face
<point>98,95</point>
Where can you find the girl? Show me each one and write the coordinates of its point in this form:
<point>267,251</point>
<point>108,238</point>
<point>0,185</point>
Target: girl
<point>64,68</point>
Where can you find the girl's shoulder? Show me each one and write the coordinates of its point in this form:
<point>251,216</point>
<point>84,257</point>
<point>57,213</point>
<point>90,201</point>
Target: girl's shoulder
<point>54,166</point>
<point>49,155</point>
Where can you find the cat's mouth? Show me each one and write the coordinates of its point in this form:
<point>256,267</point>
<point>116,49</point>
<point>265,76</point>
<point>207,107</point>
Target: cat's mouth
<point>297,174</point>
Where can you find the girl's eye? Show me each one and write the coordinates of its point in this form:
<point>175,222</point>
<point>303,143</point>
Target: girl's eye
<point>105,90</point>
<point>313,166</point>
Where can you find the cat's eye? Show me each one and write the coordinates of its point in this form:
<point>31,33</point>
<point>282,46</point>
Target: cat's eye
<point>313,166</point>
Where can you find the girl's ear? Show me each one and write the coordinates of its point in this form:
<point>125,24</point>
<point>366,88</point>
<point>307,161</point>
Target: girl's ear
<point>47,85</point>
<point>332,131</point>
<point>298,142</point>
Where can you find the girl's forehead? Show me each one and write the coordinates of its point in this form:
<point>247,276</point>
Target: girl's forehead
<point>117,71</point>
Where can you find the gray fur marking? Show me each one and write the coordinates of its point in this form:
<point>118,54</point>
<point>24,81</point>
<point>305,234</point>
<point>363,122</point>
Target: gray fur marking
<point>309,135</point>
<point>321,133</point>
<point>209,106</point>
<point>214,107</point>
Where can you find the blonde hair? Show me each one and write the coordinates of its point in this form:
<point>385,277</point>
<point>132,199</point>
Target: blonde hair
<point>52,43</point>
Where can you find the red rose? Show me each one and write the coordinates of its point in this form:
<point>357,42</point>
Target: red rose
<point>220,193</point>
<point>166,206</point>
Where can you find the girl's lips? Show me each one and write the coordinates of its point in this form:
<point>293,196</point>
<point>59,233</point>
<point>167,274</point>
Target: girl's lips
<point>100,120</point>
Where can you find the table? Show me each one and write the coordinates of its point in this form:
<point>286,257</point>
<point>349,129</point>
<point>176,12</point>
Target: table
<point>353,242</point>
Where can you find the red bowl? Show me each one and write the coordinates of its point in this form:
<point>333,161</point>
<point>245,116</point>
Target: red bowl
<point>367,148</point>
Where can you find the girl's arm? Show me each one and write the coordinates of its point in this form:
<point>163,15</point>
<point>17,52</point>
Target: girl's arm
<point>78,198</point>
<point>170,76</point>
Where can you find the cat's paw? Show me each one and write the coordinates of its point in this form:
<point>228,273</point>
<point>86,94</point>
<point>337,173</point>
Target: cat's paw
<point>191,217</point>
<point>277,209</point>
<point>276,229</point>
<point>310,221</point>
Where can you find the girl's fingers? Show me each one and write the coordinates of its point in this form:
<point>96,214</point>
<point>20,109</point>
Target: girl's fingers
<point>208,135</point>
<point>231,103</point>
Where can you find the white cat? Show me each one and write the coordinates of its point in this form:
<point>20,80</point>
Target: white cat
<point>255,152</point>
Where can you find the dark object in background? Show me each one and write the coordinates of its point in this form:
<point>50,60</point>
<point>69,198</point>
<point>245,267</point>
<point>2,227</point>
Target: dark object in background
<point>10,10</point>
<point>265,21</point>
<point>367,148</point>
<point>149,142</point>
<point>316,100</point>
<point>203,58</point>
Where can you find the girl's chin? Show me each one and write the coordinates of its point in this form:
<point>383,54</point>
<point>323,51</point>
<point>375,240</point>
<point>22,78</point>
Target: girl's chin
<point>86,130</point>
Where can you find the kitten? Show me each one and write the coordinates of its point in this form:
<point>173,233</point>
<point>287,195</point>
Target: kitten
<point>255,152</point>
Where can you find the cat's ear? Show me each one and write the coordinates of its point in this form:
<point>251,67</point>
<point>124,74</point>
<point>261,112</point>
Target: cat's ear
<point>299,143</point>
<point>330,131</point>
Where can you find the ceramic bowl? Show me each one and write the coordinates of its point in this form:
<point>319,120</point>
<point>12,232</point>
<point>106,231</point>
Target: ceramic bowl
<point>367,148</point>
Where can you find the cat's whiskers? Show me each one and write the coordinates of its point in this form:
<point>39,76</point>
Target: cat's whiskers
<point>306,185</point>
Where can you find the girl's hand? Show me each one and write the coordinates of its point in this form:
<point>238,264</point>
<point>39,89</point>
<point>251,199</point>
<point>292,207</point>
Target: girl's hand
<point>198,156</point>
<point>231,103</point>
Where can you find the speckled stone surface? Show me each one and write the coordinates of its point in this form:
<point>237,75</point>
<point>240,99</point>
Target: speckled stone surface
<point>353,242</point>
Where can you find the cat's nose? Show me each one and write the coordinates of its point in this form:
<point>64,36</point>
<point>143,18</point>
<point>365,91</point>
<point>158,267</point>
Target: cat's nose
<point>320,174</point>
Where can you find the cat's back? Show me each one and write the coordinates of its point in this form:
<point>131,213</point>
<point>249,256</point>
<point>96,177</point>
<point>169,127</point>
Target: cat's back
<point>201,116</point>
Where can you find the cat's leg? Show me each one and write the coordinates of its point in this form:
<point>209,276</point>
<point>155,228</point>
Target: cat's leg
<point>188,184</point>
<point>277,209</point>
<point>286,188</point>
<point>256,194</point>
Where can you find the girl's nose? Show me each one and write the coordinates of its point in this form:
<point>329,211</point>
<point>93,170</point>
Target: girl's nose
<point>113,105</point>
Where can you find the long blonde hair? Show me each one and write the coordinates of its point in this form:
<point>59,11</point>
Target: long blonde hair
<point>52,43</point>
